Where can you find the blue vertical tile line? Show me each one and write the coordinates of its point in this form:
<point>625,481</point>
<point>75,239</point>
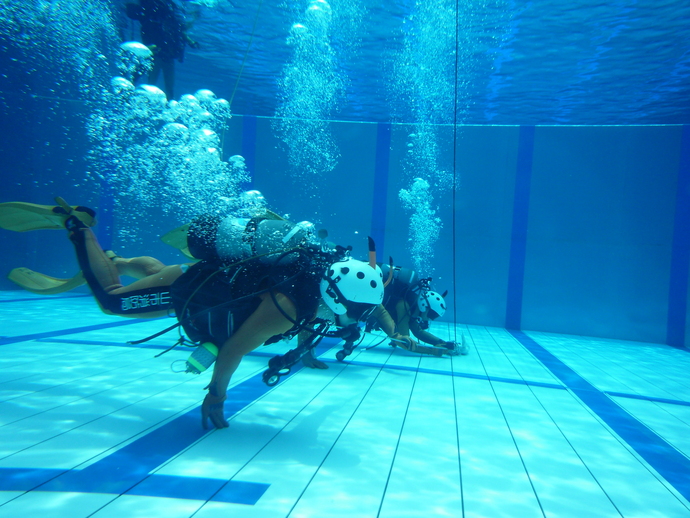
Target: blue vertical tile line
<point>249,145</point>
<point>659,454</point>
<point>380,199</point>
<point>105,216</point>
<point>680,251</point>
<point>518,237</point>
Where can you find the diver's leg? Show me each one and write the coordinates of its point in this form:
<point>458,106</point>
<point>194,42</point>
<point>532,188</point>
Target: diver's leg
<point>137,267</point>
<point>164,278</point>
<point>149,297</point>
<point>100,264</point>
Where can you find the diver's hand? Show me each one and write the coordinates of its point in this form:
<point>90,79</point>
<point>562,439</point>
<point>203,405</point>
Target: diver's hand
<point>212,408</point>
<point>404,341</point>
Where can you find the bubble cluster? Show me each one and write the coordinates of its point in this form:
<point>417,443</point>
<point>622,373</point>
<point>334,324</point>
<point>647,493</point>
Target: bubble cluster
<point>311,87</point>
<point>134,60</point>
<point>439,36</point>
<point>70,39</point>
<point>425,226</point>
<point>422,83</point>
<point>166,154</point>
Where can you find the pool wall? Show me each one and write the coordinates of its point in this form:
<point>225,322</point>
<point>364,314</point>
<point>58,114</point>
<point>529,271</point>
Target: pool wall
<point>569,229</point>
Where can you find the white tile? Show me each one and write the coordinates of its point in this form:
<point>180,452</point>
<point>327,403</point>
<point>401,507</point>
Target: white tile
<point>54,505</point>
<point>425,477</point>
<point>6,496</point>
<point>128,506</point>
<point>364,438</point>
<point>352,479</point>
<point>631,486</point>
<point>494,480</point>
<point>562,483</point>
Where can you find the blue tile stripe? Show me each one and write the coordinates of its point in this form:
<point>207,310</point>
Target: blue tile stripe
<point>326,346</point>
<point>127,470</point>
<point>659,454</point>
<point>165,486</point>
<point>518,238</point>
<point>4,340</point>
<point>380,195</point>
<point>680,251</point>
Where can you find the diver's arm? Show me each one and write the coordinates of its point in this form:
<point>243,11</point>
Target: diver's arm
<point>266,321</point>
<point>423,335</point>
<point>385,320</point>
<point>402,309</point>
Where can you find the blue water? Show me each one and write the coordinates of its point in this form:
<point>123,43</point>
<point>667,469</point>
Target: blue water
<point>532,157</point>
<point>538,62</point>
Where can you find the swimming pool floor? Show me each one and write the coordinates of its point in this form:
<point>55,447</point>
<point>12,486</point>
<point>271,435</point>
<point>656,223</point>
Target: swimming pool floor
<point>528,424</point>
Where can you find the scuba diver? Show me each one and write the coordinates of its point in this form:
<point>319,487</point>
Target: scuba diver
<point>272,282</point>
<point>164,32</point>
<point>412,304</point>
<point>408,305</point>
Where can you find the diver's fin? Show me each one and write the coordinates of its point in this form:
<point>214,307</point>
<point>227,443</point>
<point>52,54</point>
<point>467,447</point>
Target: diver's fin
<point>22,217</point>
<point>178,239</point>
<point>269,214</point>
<point>44,284</point>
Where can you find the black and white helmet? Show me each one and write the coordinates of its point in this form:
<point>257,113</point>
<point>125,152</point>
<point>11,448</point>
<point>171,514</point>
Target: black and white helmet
<point>352,286</point>
<point>432,301</point>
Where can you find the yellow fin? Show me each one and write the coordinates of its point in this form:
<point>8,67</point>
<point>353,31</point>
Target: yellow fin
<point>23,217</point>
<point>178,239</point>
<point>44,284</point>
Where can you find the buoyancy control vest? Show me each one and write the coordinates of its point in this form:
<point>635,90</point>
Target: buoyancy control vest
<point>405,284</point>
<point>212,300</point>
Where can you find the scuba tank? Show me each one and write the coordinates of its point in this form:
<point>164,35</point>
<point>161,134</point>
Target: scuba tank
<point>401,275</point>
<point>233,239</point>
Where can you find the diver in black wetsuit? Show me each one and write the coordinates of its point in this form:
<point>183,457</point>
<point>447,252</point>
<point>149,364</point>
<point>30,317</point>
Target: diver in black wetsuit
<point>242,293</point>
<point>164,31</point>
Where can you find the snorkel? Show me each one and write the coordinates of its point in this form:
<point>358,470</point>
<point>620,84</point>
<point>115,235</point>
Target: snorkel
<point>372,261</point>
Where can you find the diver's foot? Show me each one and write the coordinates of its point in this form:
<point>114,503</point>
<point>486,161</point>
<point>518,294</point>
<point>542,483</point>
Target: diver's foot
<point>310,361</point>
<point>85,215</point>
